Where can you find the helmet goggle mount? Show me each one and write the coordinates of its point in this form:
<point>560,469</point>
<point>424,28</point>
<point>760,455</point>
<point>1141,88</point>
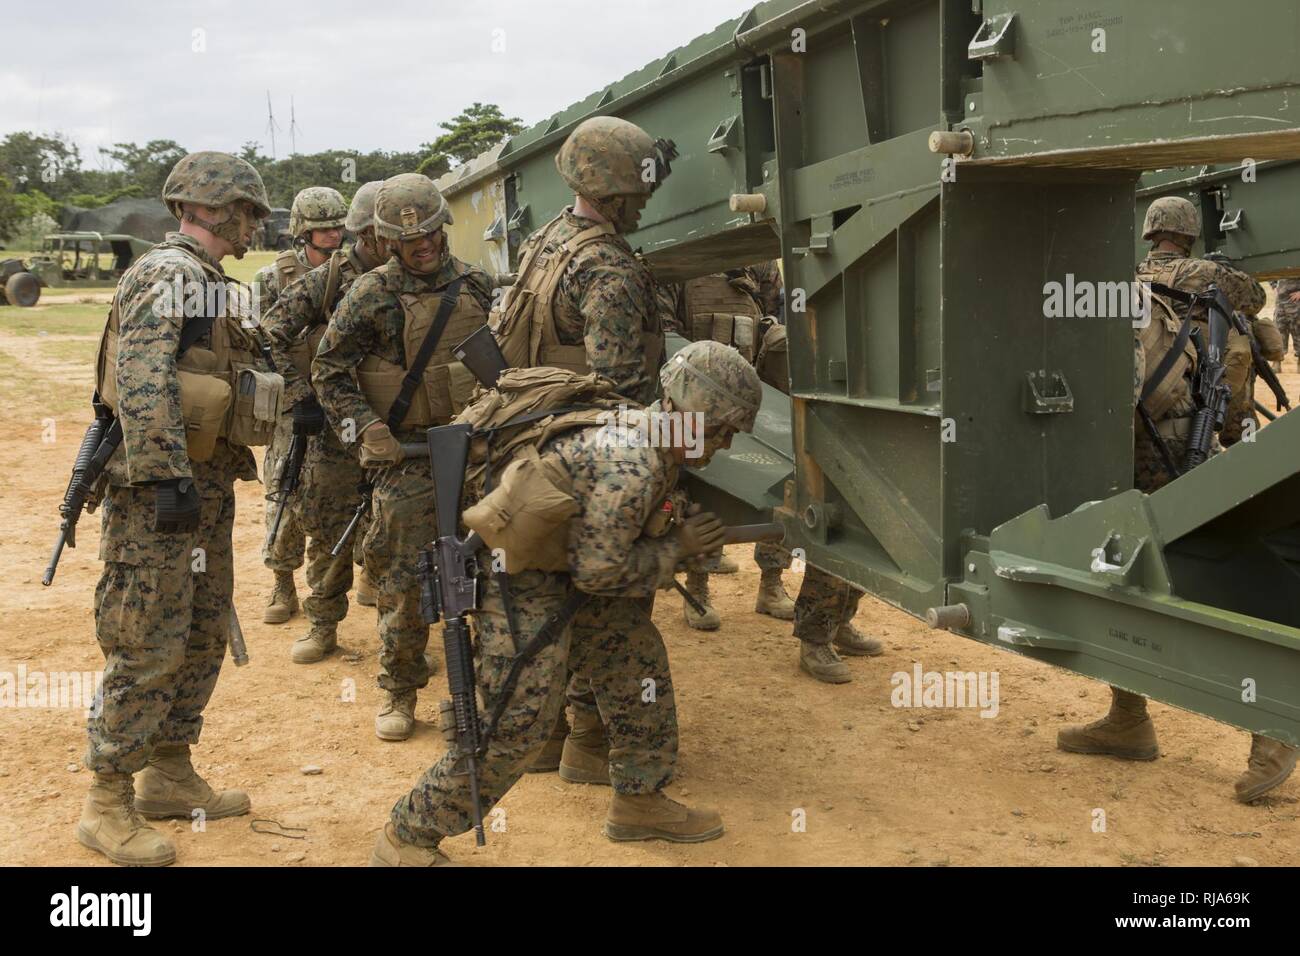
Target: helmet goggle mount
<point>665,153</point>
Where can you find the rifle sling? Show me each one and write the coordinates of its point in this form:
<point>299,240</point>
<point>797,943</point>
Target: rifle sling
<point>546,635</point>
<point>402,404</point>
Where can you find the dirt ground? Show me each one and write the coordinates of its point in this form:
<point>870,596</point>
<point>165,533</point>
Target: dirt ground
<point>759,740</point>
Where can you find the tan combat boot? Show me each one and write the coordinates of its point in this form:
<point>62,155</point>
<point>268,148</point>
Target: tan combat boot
<point>284,600</point>
<point>548,760</point>
<point>772,599</point>
<point>1271,762</point>
<point>697,583</point>
<point>654,816</point>
<point>322,639</point>
<point>821,661</point>
<point>396,719</point>
<point>849,641</point>
<point>111,825</point>
<point>1127,731</point>
<point>169,787</point>
<point>366,590</point>
<point>585,757</point>
<point>391,850</point>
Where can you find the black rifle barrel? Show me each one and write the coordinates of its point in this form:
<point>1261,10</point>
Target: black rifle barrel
<point>97,446</point>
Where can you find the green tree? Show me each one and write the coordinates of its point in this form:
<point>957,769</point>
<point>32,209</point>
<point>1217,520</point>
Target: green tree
<point>50,164</point>
<point>10,215</point>
<point>476,130</point>
<point>147,166</point>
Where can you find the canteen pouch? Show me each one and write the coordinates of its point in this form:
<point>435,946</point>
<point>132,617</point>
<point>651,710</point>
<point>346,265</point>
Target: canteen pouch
<point>526,514</point>
<point>205,402</point>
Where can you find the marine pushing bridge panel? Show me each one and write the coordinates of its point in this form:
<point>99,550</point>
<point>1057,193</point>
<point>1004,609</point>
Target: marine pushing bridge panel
<point>926,170</point>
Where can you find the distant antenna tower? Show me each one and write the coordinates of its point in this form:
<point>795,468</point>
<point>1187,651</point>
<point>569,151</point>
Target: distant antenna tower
<point>293,147</point>
<point>271,125</point>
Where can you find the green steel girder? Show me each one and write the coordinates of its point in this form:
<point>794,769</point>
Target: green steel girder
<point>1190,595</point>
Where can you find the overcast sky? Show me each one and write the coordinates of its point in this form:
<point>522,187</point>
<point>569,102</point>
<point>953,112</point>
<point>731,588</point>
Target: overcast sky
<point>370,75</point>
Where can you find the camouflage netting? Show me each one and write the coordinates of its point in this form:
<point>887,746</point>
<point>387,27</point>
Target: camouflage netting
<point>143,218</point>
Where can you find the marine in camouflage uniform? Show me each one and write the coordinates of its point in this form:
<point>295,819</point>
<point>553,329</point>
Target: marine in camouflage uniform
<point>329,491</point>
<point>1286,316</point>
<point>1172,224</point>
<point>824,610</point>
<point>612,643</point>
<point>163,603</point>
<point>367,337</point>
<point>315,209</point>
<point>725,307</point>
<point>605,321</point>
<point>1170,263</point>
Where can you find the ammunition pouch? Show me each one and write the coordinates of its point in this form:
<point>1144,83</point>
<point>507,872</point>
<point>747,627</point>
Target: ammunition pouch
<point>255,408</point>
<point>734,330</point>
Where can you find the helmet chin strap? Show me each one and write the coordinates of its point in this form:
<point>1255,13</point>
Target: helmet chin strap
<point>231,230</point>
<point>615,211</point>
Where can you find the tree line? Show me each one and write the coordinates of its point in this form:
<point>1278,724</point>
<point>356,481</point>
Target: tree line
<point>44,175</point>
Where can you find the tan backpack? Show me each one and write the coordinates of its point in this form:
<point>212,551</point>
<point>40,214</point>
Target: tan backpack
<point>1169,358</point>
<point>516,497</point>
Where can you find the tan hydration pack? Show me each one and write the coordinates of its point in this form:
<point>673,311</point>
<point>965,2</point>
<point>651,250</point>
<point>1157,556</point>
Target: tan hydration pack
<point>524,325</point>
<point>526,510</point>
<point>226,391</point>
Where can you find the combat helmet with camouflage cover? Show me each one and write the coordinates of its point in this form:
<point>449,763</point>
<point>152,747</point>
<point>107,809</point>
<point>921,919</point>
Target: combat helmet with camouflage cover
<point>214,179</point>
<point>316,207</point>
<point>361,214</point>
<point>606,156</point>
<point>409,206</point>
<point>1172,214</point>
<point>716,381</point>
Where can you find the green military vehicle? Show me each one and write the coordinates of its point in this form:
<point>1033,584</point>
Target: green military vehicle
<point>275,230</point>
<point>69,260</point>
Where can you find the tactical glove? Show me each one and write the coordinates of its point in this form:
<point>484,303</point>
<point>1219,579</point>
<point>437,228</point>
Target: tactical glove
<point>699,533</point>
<point>175,506</point>
<point>308,417</point>
<point>379,447</point>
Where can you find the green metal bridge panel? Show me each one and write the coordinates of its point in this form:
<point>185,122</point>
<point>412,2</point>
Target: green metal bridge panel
<point>939,416</point>
<point>1264,202</point>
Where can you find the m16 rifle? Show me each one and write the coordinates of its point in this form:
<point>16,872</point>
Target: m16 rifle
<point>97,447</point>
<point>449,591</point>
<point>1211,393</point>
<point>286,483</point>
